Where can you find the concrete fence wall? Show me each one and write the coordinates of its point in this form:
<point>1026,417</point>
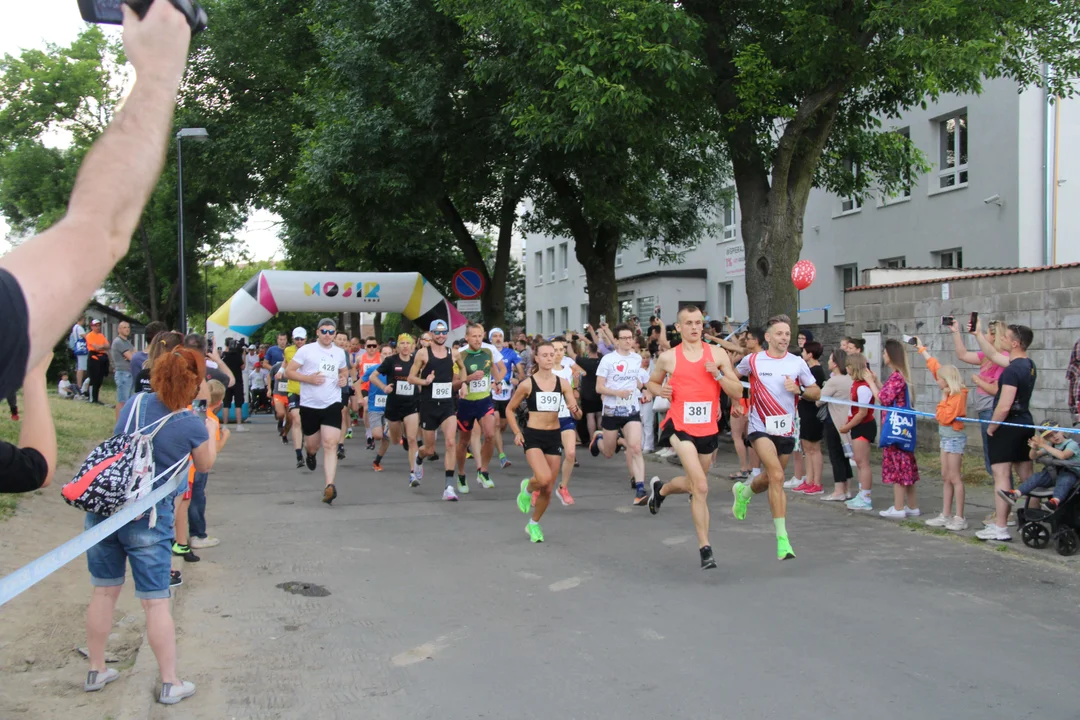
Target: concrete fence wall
<point>1046,300</point>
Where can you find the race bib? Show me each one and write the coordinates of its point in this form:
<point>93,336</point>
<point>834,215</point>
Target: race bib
<point>779,424</point>
<point>328,367</point>
<point>282,387</point>
<point>564,411</point>
<point>441,391</point>
<point>697,413</point>
<point>479,386</point>
<point>627,402</point>
<point>549,401</point>
<point>380,401</point>
<point>404,387</point>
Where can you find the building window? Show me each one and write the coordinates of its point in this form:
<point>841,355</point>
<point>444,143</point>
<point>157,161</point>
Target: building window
<point>564,260</point>
<point>646,304</point>
<point>584,314</point>
<point>727,208</point>
<point>551,320</point>
<point>564,319</point>
<point>904,193</point>
<point>551,264</point>
<point>950,259</point>
<point>896,262</point>
<point>539,321</point>
<point>618,257</point>
<point>538,261</point>
<point>849,275</point>
<point>953,139</point>
<point>852,203</point>
<point>726,299</point>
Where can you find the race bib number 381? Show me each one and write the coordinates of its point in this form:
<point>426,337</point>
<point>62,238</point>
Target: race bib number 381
<point>697,413</point>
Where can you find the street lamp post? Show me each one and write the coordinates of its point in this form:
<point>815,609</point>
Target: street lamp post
<point>191,134</point>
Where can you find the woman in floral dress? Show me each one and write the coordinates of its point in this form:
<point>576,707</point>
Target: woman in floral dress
<point>898,467</point>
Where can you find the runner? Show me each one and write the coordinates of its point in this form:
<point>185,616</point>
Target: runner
<point>483,367</point>
<point>369,359</point>
<point>347,392</point>
<point>299,340</point>
<point>376,409</point>
<point>570,372</point>
<point>544,393</point>
<point>402,403</point>
<point>501,396</point>
<point>618,382</point>
<point>697,372</point>
<point>281,401</point>
<point>321,370</point>
<point>776,378</point>
<point>433,370</point>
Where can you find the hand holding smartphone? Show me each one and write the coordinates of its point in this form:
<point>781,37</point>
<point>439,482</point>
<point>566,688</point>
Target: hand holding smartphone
<point>947,320</point>
<point>973,322</point>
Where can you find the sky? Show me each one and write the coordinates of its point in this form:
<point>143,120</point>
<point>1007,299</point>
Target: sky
<point>33,23</point>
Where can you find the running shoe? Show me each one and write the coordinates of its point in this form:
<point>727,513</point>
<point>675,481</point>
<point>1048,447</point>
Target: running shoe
<point>462,485</point>
<point>564,495</point>
<point>1012,496</point>
<point>892,513</point>
<point>309,460</point>
<point>172,694</point>
<point>198,543</point>
<point>485,480</point>
<point>594,444</point>
<point>449,494</point>
<point>912,512</point>
<point>536,533</point>
<point>794,483</point>
<point>299,462</point>
<point>783,549</point>
<point>414,482</point>
<point>434,457</point>
<point>371,443</point>
<point>859,502</point>
<point>938,522</point>
<point>96,680</point>
<point>642,497</point>
<point>504,462</point>
<point>468,454</point>
<point>738,508</point>
<point>814,490</point>
<point>956,524</point>
<point>419,472</point>
<point>524,497</point>
<point>801,487</point>
<point>348,434</point>
<point>340,452</point>
<point>180,550</point>
<point>284,439</point>
<point>329,493</point>
<point>377,466</point>
<point>995,533</point>
<point>655,498</point>
<point>175,578</point>
<point>708,562</point>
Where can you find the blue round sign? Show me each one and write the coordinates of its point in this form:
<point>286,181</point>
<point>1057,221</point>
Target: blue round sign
<point>468,283</point>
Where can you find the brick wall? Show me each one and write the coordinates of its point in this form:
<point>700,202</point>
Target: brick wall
<point>1046,300</point>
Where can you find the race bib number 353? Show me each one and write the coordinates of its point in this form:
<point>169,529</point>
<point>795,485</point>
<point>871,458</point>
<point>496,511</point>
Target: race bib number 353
<point>479,386</point>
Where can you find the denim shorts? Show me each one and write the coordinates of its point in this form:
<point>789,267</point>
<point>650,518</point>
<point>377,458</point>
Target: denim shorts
<point>123,386</point>
<point>149,550</point>
<point>953,444</point>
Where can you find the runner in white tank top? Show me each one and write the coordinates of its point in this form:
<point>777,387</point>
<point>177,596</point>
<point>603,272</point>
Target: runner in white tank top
<point>777,379</point>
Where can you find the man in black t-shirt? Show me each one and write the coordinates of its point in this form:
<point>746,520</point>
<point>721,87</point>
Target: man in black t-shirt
<point>1009,445</point>
<point>30,465</point>
<point>234,395</point>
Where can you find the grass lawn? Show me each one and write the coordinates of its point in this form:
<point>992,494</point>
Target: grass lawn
<point>972,470</point>
<point>79,427</point>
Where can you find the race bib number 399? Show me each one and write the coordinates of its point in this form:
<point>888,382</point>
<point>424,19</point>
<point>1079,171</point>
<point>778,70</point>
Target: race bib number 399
<point>779,424</point>
<point>548,401</point>
<point>697,413</point>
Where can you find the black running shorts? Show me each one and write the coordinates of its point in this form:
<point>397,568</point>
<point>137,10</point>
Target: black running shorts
<point>705,445</point>
<point>434,414</point>
<point>313,419</point>
<point>784,445</point>
<point>547,441</point>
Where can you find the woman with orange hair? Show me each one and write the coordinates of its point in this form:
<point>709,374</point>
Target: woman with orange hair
<point>177,378</point>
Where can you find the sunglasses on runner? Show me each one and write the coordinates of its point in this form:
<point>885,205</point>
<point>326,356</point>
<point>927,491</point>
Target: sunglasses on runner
<point>439,332</point>
<point>327,331</point>
<point>371,347</point>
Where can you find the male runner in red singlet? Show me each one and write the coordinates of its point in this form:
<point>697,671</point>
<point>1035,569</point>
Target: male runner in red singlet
<point>697,371</point>
<point>777,378</point>
<point>369,359</point>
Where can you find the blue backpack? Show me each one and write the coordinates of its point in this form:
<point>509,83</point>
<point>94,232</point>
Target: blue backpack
<point>77,344</point>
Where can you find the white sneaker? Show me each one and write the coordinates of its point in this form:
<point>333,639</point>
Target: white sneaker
<point>419,472</point>
<point>1011,522</point>
<point>172,694</point>
<point>939,521</point>
<point>792,483</point>
<point>241,428</point>
<point>203,543</point>
<point>97,680</point>
<point>995,533</point>
<point>912,512</point>
<point>449,494</point>
<point>956,524</point>
<point>893,513</point>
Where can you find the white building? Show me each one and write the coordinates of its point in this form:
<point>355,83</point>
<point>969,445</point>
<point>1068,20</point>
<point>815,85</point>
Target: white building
<point>999,195</point>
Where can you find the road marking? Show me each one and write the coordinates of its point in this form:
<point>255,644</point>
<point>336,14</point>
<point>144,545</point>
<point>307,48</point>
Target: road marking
<point>427,651</point>
<point>564,584</point>
<point>676,540</point>
<point>623,509</point>
<point>528,575</point>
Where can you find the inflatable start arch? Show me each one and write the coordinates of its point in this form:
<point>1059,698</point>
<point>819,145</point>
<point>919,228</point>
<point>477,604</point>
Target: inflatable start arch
<point>274,291</point>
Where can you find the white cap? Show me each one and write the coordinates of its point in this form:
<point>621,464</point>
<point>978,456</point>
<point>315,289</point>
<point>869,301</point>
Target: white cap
<point>299,333</point>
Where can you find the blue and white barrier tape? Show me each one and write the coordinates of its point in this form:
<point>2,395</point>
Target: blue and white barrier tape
<point>34,572</point>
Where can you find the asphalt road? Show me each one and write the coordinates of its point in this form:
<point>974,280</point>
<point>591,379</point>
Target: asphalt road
<point>445,610</point>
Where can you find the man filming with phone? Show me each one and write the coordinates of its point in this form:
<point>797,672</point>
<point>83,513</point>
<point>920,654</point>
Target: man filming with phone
<point>42,298</point>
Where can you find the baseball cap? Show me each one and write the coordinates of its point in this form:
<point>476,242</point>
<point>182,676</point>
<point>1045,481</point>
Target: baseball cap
<point>95,321</point>
<point>299,333</point>
<point>437,325</point>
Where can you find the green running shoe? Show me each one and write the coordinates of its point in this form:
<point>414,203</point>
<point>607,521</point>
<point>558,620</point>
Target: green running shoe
<point>524,498</point>
<point>783,549</point>
<point>738,509</point>
<point>536,533</point>
<point>485,480</point>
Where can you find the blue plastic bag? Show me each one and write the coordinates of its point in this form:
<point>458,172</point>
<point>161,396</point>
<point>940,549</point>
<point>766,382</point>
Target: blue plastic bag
<point>898,429</point>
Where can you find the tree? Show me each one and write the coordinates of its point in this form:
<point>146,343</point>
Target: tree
<point>67,95</point>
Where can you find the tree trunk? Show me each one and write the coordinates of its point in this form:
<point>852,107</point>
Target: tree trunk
<point>356,330</point>
<point>151,278</point>
<point>773,241</point>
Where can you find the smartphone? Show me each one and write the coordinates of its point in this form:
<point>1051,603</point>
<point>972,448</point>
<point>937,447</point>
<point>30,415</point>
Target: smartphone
<point>209,342</point>
<point>947,320</point>
<point>603,319</point>
<point>973,321</point>
<point>109,12</point>
<point>911,340</point>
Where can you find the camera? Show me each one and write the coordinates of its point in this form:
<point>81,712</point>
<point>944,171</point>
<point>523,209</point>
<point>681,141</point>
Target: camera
<point>109,11</point>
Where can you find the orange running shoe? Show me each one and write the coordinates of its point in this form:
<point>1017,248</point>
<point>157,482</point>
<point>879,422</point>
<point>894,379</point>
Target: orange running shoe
<point>564,495</point>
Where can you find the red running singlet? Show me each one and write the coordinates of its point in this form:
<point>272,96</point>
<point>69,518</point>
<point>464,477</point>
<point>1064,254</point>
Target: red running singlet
<point>695,396</point>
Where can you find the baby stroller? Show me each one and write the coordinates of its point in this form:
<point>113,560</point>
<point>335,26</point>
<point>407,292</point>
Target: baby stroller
<point>1039,526</point>
<point>260,403</point>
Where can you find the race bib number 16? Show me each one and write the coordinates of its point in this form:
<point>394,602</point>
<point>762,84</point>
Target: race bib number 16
<point>779,424</point>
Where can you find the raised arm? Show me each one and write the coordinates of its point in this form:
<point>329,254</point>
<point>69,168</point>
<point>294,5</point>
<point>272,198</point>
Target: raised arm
<point>989,350</point>
<point>962,353</point>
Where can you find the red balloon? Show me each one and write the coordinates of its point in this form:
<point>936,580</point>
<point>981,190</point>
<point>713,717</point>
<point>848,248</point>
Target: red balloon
<point>803,274</point>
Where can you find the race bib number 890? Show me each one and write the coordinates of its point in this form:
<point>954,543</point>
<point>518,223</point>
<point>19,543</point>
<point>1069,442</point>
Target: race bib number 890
<point>440,391</point>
